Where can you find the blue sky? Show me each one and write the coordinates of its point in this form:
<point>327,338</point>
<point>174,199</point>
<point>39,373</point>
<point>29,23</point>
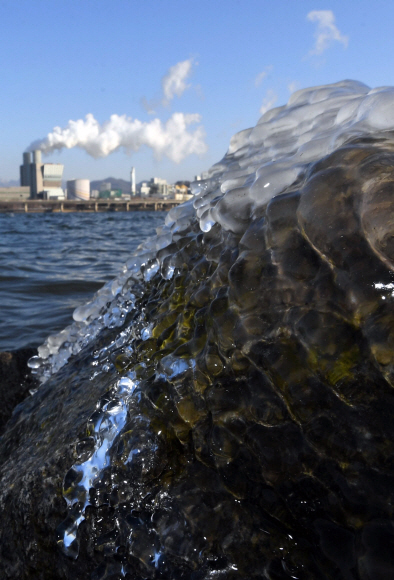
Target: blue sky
<point>181,76</point>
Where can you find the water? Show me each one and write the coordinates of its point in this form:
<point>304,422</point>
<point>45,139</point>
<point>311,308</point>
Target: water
<point>52,263</point>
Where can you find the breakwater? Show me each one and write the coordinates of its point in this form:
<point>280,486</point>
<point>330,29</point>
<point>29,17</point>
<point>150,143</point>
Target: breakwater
<point>92,205</point>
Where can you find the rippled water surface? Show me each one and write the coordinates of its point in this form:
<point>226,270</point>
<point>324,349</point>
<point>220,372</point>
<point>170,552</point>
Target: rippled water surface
<point>52,263</point>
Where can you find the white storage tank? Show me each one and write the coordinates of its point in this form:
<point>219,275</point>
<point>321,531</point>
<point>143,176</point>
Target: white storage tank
<point>78,189</point>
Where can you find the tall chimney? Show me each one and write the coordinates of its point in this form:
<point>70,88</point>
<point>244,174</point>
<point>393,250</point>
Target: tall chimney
<point>36,178</point>
<point>37,156</point>
<point>132,180</point>
<point>25,170</point>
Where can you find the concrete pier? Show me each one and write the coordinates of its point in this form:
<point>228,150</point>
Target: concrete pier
<point>92,205</point>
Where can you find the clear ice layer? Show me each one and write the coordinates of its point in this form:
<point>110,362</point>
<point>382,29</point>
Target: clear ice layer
<point>247,430</point>
<point>261,163</point>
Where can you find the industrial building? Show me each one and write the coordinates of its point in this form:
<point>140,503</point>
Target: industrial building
<point>78,189</point>
<point>108,192</point>
<point>182,192</point>
<point>156,187</point>
<point>44,179</point>
<point>14,193</point>
<point>160,187</point>
<point>105,186</point>
<point>111,194</point>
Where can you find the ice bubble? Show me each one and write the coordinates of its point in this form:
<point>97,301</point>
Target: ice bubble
<point>176,367</point>
<point>167,270</point>
<point>146,332</point>
<point>35,362</point>
<point>207,221</point>
<point>114,317</point>
<point>81,313</point>
<point>163,240</point>
<point>134,264</point>
<point>126,386</point>
<point>116,288</point>
<point>151,268</point>
<point>43,351</point>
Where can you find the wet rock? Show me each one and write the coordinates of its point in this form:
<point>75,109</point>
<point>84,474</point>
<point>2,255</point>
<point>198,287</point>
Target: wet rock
<point>224,408</point>
<point>16,381</point>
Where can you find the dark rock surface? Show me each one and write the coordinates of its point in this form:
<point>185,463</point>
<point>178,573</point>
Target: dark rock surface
<point>36,451</point>
<point>237,423</point>
<point>15,381</point>
<point>269,456</point>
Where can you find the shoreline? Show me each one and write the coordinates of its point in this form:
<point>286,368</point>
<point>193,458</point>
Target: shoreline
<point>92,205</point>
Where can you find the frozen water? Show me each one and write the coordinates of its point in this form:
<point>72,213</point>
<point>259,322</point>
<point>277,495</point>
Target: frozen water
<point>261,163</point>
<point>260,230</point>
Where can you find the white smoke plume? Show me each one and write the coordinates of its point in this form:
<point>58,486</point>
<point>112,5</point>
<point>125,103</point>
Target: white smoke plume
<point>174,82</point>
<point>326,32</point>
<point>171,139</point>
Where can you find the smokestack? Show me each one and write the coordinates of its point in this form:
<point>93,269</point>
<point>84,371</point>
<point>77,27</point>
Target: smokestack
<point>132,180</point>
<point>37,156</point>
<point>25,170</point>
<point>36,176</point>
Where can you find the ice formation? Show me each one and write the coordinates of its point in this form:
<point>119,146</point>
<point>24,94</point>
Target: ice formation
<point>249,349</point>
<point>261,163</point>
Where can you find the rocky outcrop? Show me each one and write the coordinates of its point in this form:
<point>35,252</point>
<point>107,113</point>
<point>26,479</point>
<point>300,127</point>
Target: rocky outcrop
<point>224,408</point>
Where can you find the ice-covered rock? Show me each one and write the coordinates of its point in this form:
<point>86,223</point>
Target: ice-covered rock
<point>223,409</point>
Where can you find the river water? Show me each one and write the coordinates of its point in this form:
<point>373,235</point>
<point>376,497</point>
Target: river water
<point>52,263</point>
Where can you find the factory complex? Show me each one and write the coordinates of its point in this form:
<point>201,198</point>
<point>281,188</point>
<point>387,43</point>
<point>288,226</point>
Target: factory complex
<point>43,181</point>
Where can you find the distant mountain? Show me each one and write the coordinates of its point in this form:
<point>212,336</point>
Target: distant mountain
<point>121,184</point>
<point>9,183</point>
